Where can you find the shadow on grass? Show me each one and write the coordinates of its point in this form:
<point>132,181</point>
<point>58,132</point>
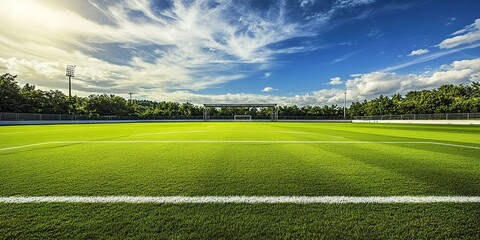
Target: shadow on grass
<point>445,178</point>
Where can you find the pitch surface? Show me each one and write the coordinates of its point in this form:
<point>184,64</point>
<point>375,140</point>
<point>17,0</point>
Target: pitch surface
<point>239,159</point>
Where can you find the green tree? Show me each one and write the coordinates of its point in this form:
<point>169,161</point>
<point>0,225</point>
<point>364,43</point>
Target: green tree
<point>10,96</point>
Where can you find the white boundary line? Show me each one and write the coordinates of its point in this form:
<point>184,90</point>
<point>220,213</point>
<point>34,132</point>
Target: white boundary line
<point>239,141</point>
<point>455,145</point>
<point>24,146</point>
<point>242,199</point>
<point>170,132</point>
<point>317,134</point>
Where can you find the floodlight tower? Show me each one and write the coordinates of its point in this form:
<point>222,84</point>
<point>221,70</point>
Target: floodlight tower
<point>70,74</point>
<point>131,94</point>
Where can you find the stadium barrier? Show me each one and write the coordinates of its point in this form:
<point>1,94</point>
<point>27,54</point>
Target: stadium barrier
<point>64,117</point>
<point>436,116</point>
<point>6,116</point>
<point>31,117</point>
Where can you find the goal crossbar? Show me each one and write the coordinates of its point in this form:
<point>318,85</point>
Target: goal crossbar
<point>272,106</point>
<point>242,118</point>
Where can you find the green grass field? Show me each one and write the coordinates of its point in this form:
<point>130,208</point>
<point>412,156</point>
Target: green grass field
<point>240,159</point>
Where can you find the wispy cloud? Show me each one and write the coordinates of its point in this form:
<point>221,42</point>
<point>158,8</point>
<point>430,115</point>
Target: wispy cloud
<point>469,34</point>
<point>337,7</point>
<point>375,33</point>
<point>450,21</point>
<point>359,87</point>
<point>428,57</point>
<point>418,52</point>
<point>171,52</point>
<point>345,57</point>
<point>305,3</point>
<point>184,46</point>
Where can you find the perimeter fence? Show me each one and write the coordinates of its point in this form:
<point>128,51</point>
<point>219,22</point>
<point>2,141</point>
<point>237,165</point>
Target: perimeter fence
<point>65,117</point>
<point>436,116</point>
<point>4,116</point>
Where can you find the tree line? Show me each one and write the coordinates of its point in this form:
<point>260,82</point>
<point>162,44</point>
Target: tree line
<point>28,99</point>
<point>444,99</point>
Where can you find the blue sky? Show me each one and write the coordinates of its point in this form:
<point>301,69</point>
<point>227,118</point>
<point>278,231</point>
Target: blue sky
<point>290,52</point>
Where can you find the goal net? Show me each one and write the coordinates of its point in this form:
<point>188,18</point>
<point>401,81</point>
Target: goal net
<point>245,118</point>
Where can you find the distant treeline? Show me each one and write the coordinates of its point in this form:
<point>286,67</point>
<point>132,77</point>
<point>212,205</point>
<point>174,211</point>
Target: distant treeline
<point>27,99</point>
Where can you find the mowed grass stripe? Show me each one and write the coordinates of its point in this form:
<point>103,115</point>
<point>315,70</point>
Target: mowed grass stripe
<point>235,169</point>
<point>345,169</point>
<point>239,221</point>
<point>242,199</point>
<point>240,169</point>
<point>240,141</point>
<point>455,171</point>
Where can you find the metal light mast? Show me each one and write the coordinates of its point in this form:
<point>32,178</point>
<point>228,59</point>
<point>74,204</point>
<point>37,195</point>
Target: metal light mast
<point>70,74</point>
<point>131,94</point>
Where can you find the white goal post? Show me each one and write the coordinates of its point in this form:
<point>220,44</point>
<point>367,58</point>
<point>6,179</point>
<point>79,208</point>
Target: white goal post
<point>245,118</point>
<point>210,107</point>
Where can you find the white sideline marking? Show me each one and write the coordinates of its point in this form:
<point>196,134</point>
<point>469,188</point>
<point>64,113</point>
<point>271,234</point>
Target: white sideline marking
<point>204,131</point>
<point>239,141</point>
<point>293,132</point>
<point>171,132</point>
<point>456,145</point>
<point>24,146</point>
<point>242,199</point>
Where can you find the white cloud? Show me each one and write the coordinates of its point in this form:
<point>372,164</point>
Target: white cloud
<point>267,75</point>
<point>338,6</point>
<point>172,53</point>
<point>467,35</point>
<point>305,3</point>
<point>345,57</point>
<point>418,52</point>
<point>352,3</point>
<point>335,81</point>
<point>359,87</point>
<point>450,21</point>
<point>185,47</point>
<point>372,84</point>
<point>429,57</point>
<point>269,89</point>
<point>196,44</point>
<point>473,64</point>
<point>330,96</point>
<point>375,33</point>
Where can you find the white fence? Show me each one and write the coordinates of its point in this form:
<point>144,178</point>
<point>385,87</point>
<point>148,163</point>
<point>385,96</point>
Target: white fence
<point>439,116</point>
<point>64,117</point>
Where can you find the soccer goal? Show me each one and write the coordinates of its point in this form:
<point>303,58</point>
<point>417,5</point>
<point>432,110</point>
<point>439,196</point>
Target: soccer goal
<point>244,118</point>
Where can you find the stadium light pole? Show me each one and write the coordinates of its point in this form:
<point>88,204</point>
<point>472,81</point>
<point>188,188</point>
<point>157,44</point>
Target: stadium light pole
<point>131,94</point>
<point>70,72</point>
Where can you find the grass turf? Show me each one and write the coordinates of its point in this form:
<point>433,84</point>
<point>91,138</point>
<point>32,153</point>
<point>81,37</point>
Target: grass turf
<point>207,169</point>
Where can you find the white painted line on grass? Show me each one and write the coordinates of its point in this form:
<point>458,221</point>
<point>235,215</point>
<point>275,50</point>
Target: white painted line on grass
<point>455,145</point>
<point>171,132</point>
<point>292,132</point>
<point>242,199</point>
<point>317,134</point>
<point>25,146</point>
<point>239,141</point>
